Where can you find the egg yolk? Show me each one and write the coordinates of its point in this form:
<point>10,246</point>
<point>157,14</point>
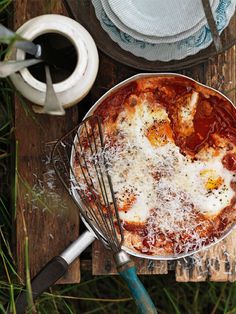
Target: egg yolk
<point>159,133</point>
<point>211,179</point>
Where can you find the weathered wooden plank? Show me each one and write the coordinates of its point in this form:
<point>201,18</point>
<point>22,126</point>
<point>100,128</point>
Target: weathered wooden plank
<point>218,262</point>
<point>215,264</point>
<point>44,212</point>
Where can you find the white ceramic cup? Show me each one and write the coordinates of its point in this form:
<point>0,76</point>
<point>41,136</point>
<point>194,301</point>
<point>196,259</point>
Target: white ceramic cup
<point>74,88</point>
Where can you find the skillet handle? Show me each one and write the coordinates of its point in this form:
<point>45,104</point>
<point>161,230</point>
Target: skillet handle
<point>54,270</point>
<point>51,272</point>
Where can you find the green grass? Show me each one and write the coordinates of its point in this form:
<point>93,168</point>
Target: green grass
<point>95,294</point>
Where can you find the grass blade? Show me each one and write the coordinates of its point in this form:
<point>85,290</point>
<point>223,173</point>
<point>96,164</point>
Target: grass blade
<point>27,274</point>
<point>172,301</point>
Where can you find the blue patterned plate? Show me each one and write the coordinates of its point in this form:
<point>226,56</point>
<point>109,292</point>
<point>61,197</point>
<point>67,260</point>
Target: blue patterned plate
<point>166,51</point>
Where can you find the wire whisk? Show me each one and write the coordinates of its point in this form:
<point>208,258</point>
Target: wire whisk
<point>80,160</point>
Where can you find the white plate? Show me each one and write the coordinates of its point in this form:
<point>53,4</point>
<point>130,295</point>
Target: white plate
<point>152,39</point>
<point>166,52</point>
<point>159,17</point>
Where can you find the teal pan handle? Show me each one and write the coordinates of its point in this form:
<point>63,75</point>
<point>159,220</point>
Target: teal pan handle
<point>139,293</point>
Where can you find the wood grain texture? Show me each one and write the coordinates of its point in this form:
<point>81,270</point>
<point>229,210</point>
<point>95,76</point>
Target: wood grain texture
<point>44,212</point>
<point>214,264</point>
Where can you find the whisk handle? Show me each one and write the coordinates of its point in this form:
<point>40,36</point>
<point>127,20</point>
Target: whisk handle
<point>54,270</point>
<point>51,272</point>
<point>139,293</point>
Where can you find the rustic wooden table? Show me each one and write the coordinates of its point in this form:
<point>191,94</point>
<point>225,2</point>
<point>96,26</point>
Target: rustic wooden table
<point>48,217</point>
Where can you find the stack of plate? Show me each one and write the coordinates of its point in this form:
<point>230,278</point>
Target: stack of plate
<point>161,30</point>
